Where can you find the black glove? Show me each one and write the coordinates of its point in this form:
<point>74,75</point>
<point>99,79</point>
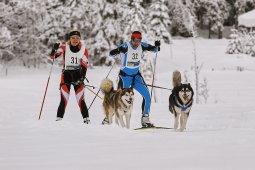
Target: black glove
<point>56,46</point>
<point>80,81</point>
<point>157,43</point>
<point>122,49</point>
<point>83,72</point>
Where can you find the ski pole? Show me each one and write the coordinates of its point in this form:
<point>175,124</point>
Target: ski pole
<point>159,87</point>
<point>94,93</point>
<point>99,88</point>
<point>46,89</point>
<point>153,76</point>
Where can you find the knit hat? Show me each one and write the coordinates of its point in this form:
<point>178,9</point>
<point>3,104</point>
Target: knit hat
<point>136,34</point>
<point>74,32</point>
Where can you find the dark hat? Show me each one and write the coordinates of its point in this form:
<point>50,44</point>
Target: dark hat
<point>74,32</point>
<point>136,34</point>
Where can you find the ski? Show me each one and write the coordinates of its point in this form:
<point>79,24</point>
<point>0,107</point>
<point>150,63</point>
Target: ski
<point>154,127</point>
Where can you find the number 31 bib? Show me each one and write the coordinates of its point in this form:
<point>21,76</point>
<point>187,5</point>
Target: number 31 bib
<point>72,60</point>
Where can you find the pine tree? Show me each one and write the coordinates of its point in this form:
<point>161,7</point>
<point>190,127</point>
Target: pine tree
<point>159,21</point>
<point>235,45</point>
<point>182,17</point>
<point>25,24</point>
<point>135,20</point>
<point>6,38</point>
<point>215,16</point>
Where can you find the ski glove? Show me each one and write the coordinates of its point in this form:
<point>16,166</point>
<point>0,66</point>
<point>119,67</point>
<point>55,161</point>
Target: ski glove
<point>157,43</point>
<point>118,50</point>
<point>80,82</point>
<point>122,49</point>
<point>56,46</point>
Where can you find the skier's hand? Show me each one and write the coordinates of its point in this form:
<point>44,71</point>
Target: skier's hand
<point>80,81</point>
<point>82,78</point>
<point>56,45</point>
<point>122,49</point>
<point>157,43</point>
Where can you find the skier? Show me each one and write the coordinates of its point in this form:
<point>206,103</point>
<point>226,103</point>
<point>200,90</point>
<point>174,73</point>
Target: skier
<point>75,64</point>
<point>129,75</point>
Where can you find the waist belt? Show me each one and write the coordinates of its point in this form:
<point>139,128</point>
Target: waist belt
<point>122,73</point>
<point>72,67</point>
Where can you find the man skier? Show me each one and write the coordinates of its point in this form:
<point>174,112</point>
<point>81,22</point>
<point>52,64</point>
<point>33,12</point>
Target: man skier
<point>75,63</point>
<point>129,75</point>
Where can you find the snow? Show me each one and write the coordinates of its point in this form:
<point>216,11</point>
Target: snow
<point>247,19</point>
<point>219,134</point>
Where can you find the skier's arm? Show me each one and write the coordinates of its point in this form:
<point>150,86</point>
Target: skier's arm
<point>56,51</point>
<point>84,64</point>
<point>121,49</point>
<point>149,47</point>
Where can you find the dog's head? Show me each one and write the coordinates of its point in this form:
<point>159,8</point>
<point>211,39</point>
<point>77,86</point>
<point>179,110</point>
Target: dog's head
<point>185,93</point>
<point>127,96</point>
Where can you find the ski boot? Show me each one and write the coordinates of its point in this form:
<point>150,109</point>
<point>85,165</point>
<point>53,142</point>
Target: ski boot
<point>146,121</point>
<point>59,118</point>
<point>86,120</point>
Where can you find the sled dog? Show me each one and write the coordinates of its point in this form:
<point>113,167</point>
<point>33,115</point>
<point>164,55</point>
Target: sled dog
<point>180,101</point>
<point>118,102</point>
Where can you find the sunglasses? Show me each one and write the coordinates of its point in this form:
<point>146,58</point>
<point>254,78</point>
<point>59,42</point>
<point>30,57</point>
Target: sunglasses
<point>137,40</point>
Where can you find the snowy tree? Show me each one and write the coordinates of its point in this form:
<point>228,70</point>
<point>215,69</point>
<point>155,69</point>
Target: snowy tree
<point>204,91</point>
<point>159,21</point>
<point>135,19</point>
<point>107,30</point>
<point>211,14</point>
<point>215,15</point>
<point>6,39</point>
<point>241,41</point>
<point>182,16</point>
<point>235,43</point>
<point>26,27</point>
<point>5,45</point>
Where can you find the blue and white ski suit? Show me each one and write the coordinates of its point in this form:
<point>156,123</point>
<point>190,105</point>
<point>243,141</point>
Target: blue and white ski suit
<point>129,72</point>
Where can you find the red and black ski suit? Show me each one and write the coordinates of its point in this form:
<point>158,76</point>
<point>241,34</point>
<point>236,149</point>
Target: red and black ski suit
<point>75,64</point>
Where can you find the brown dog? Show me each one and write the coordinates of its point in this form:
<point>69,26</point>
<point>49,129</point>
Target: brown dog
<point>118,102</point>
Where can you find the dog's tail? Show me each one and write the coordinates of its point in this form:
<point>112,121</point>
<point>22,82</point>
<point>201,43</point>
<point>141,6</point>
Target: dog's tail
<point>176,78</point>
<point>106,86</point>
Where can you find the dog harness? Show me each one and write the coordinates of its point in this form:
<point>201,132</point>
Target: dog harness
<point>183,108</point>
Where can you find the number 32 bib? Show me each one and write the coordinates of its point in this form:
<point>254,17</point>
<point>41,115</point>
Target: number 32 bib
<point>133,56</point>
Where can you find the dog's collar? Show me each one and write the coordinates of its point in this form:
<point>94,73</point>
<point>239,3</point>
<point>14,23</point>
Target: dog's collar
<point>183,108</point>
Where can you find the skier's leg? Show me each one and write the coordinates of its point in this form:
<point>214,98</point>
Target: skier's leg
<point>64,95</point>
<point>124,81</point>
<point>141,87</point>
<point>79,93</point>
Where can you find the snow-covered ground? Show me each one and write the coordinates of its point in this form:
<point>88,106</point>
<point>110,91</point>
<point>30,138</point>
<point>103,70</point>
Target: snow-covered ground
<point>219,135</point>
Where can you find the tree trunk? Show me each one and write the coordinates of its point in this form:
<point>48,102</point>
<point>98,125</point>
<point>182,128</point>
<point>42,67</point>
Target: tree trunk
<point>209,27</point>
<point>220,32</point>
